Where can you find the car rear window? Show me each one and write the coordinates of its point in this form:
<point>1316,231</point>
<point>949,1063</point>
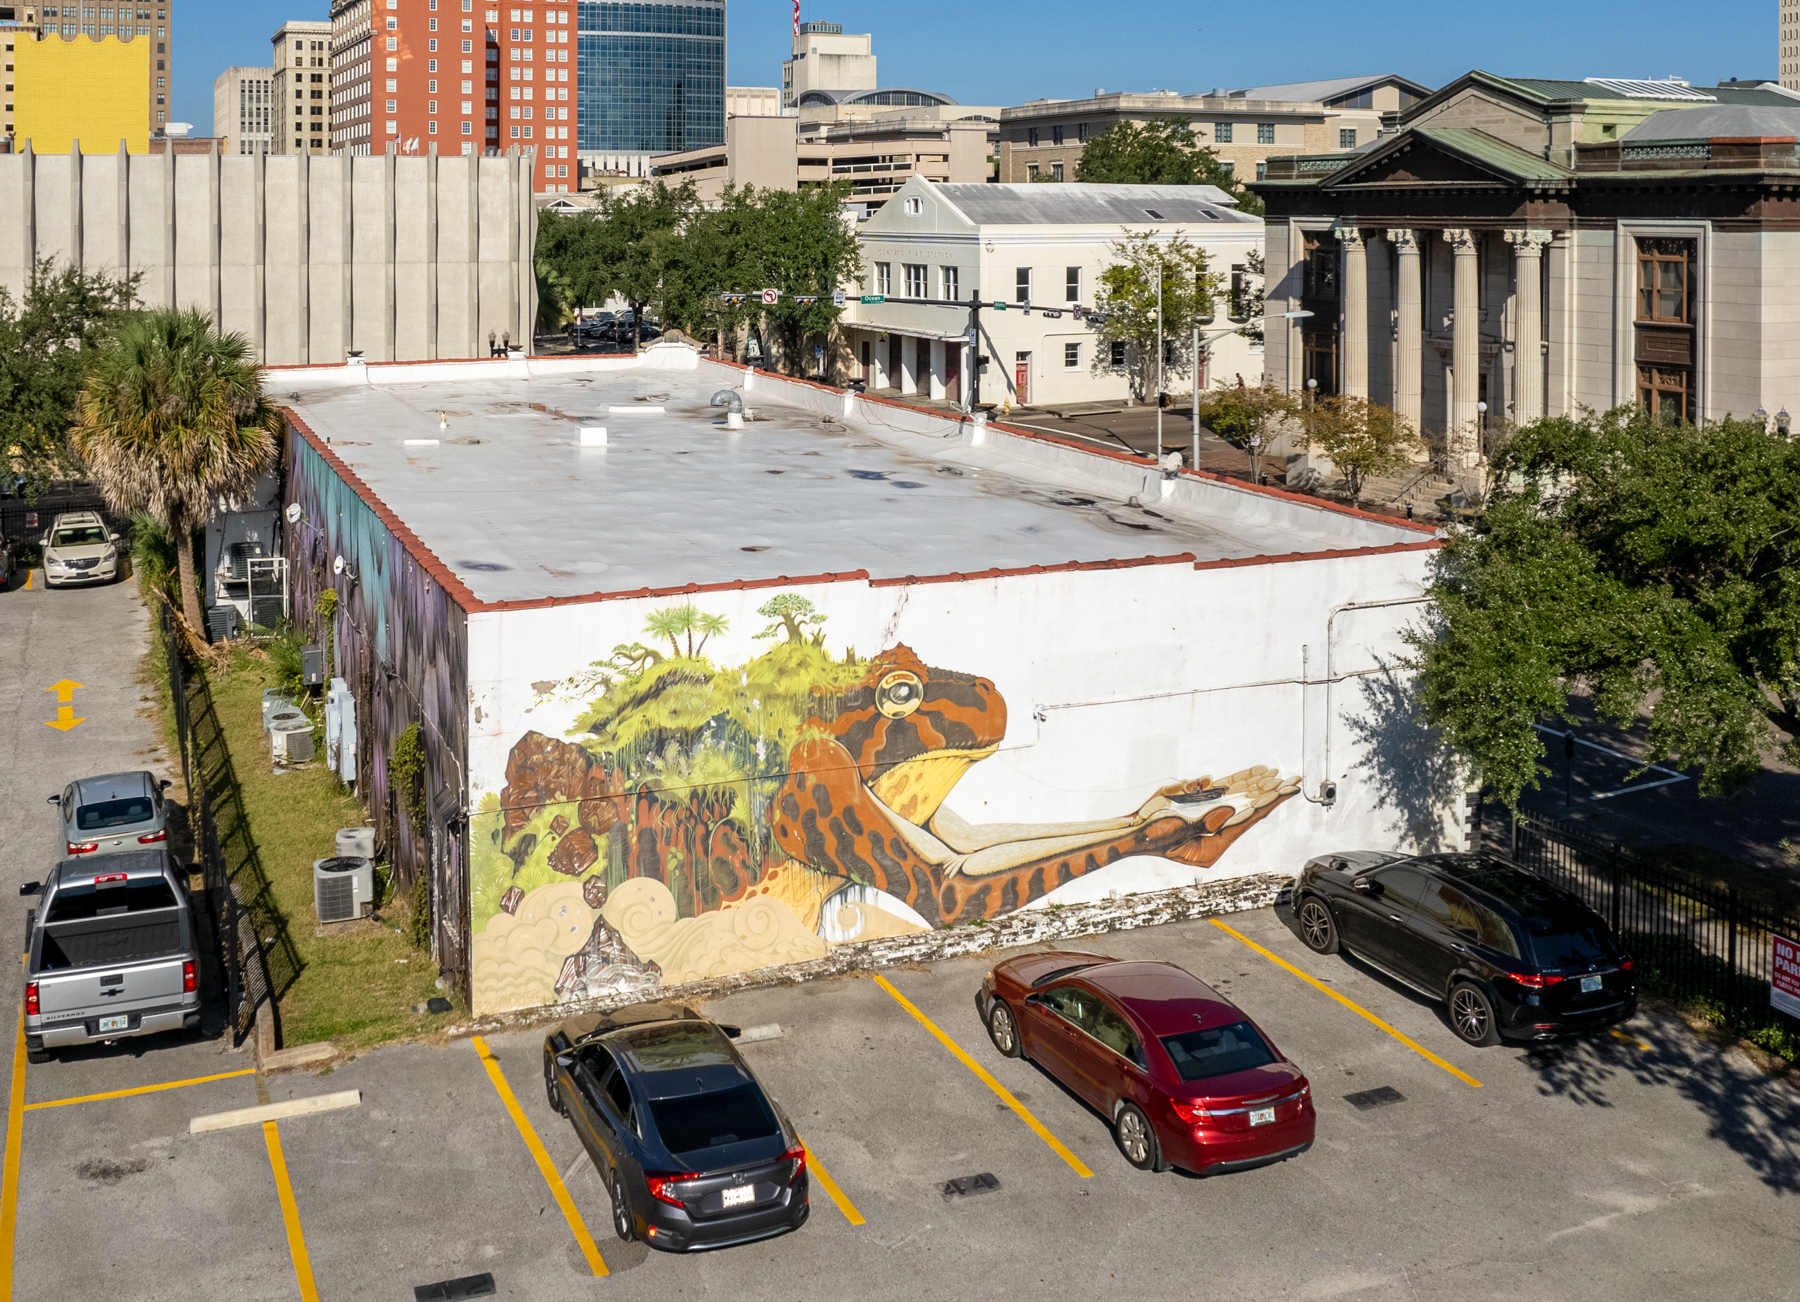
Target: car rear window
<point>75,903</point>
<point>1218,1051</point>
<point>114,813</point>
<point>699,1121</point>
<point>79,536</point>
<point>1571,946</point>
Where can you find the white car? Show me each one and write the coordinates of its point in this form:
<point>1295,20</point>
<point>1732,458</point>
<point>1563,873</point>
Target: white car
<point>80,549</point>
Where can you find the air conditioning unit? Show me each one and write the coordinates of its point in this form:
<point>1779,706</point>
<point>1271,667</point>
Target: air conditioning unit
<point>343,888</point>
<point>291,741</point>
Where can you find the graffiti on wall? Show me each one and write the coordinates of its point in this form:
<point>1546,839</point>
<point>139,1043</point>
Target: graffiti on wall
<point>703,819</point>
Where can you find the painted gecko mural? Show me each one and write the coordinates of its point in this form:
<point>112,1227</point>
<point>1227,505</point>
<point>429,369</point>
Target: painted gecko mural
<point>702,820</point>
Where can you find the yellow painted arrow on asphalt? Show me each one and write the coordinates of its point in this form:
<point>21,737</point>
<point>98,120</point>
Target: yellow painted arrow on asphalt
<point>65,713</point>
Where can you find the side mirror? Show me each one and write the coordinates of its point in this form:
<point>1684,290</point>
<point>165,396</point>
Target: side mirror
<point>1367,887</point>
<point>165,784</point>
<point>731,1032</point>
<point>53,800</point>
<point>566,1061</point>
<point>112,537</point>
<point>30,888</point>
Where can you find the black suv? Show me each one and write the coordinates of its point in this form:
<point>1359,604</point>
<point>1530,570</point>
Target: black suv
<point>1509,954</point>
<point>694,1154</point>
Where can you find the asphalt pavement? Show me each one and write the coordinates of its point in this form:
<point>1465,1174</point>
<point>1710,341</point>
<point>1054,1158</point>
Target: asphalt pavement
<point>1636,1166</point>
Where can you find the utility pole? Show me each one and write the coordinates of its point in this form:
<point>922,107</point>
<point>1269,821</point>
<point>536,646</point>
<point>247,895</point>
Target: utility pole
<point>1195,463</point>
<point>975,347</point>
<point>1157,454</point>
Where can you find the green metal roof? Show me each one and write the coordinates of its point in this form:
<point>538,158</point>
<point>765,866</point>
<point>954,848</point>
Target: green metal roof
<point>1491,151</point>
<point>1550,90</point>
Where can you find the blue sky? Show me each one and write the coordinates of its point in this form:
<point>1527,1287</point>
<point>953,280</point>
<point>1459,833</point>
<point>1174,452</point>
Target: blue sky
<point>1009,53</point>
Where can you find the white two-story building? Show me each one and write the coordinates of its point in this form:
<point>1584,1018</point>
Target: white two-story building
<point>1032,255</point>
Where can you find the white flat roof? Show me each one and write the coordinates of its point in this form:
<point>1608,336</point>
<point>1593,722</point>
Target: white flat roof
<point>508,499</point>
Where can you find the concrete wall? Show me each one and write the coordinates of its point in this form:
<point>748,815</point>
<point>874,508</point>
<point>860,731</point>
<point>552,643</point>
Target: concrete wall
<point>403,259</point>
<point>757,830</point>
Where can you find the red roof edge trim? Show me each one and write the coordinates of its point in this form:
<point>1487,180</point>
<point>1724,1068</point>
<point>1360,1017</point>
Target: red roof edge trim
<point>1183,558</point>
<point>1345,553</point>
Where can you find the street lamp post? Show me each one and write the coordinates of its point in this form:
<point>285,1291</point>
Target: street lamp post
<point>1157,454</point>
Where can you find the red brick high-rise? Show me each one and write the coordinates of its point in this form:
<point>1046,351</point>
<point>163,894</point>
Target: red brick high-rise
<point>464,77</point>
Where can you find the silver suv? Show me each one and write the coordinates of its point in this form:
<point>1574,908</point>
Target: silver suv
<point>80,549</point>
<point>110,813</point>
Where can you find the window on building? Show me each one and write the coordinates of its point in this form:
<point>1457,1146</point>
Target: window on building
<point>1221,133</point>
<point>1056,170</point>
<point>1665,352</point>
<point>1022,285</point>
<point>884,277</point>
<point>1031,135</point>
<point>1072,284</point>
<point>1031,171</point>
<point>952,283</point>
<point>1262,170</point>
<point>1265,133</point>
<point>1238,271</point>
<point>1118,352</point>
<point>1071,357</point>
<point>1347,138</point>
<point>1056,135</point>
<point>915,280</point>
<point>1319,275</point>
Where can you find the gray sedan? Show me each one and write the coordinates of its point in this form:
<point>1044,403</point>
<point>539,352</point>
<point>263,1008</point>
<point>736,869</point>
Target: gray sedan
<point>110,813</point>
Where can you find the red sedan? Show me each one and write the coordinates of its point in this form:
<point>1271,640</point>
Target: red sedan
<point>1187,1079</point>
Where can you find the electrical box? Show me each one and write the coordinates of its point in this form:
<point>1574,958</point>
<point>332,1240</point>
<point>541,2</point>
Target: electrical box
<point>312,666</point>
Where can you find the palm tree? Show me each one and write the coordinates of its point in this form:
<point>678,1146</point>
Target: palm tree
<point>172,418</point>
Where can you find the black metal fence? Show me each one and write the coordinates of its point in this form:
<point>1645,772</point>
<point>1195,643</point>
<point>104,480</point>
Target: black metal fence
<point>28,522</point>
<point>255,949</point>
<point>1690,940</point>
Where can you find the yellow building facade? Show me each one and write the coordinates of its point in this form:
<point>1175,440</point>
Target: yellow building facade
<point>94,90</point>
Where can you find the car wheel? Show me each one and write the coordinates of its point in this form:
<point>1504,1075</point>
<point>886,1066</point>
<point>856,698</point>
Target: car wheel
<point>621,1213</point>
<point>37,1055</point>
<point>552,1093</point>
<point>1472,1016</point>
<point>1003,1030</point>
<point>1136,1139</point>
<point>1317,927</point>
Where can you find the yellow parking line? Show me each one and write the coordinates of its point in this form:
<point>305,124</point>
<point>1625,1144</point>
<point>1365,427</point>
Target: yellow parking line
<point>558,1190</point>
<point>1356,1008</point>
<point>9,1192</point>
<point>830,1186</point>
<point>28,577</point>
<point>138,1089</point>
<point>1629,1039</point>
<point>1004,1094</point>
<point>290,1216</point>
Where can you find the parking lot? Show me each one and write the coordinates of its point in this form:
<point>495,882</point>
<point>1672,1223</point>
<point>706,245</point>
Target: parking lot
<point>1636,1165</point>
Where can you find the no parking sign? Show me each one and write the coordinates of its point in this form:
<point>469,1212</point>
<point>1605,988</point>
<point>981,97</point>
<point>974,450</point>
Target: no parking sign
<point>1784,975</point>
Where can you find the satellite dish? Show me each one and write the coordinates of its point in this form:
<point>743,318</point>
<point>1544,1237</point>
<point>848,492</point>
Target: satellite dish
<point>337,565</point>
<point>292,513</point>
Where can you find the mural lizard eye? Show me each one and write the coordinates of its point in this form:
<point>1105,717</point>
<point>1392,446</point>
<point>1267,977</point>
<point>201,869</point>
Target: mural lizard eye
<point>899,694</point>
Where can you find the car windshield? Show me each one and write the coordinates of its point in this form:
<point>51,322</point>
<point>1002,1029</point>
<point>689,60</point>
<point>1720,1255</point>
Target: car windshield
<point>78,536</point>
<point>114,813</point>
<point>675,1047</point>
<point>1580,945</point>
<point>76,903</point>
<point>699,1121</point>
<point>1218,1051</point>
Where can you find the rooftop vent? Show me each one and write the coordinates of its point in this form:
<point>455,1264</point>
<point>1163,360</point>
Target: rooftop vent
<point>1153,213</point>
<point>1669,88</point>
<point>821,29</point>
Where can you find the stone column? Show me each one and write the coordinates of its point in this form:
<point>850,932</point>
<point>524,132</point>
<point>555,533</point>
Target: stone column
<point>1528,328</point>
<point>1354,379</point>
<point>1408,329</point>
<point>1465,350</point>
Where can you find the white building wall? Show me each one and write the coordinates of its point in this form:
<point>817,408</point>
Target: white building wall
<point>306,256</point>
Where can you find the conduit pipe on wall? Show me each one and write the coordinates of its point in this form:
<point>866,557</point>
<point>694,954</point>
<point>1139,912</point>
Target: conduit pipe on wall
<point>1333,677</point>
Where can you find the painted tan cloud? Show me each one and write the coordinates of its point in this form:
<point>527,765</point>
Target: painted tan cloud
<point>760,932</point>
<point>516,957</point>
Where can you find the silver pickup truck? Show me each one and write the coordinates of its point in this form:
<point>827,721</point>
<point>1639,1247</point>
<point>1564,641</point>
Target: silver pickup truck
<point>111,952</point>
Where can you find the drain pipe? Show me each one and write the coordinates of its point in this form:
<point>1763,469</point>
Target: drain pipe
<point>1326,787</point>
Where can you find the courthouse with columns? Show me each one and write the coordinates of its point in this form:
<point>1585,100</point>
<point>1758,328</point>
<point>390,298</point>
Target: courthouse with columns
<point>1522,248</point>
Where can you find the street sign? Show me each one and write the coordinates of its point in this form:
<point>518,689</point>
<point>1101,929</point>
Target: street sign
<point>974,337</point>
<point>874,298</point>
<point>999,307</point>
<point>771,297</point>
<point>1784,975</point>
<point>837,298</point>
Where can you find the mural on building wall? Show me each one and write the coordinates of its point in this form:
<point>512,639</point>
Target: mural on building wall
<point>704,819</point>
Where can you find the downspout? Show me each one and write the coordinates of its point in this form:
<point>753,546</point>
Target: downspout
<point>1332,677</point>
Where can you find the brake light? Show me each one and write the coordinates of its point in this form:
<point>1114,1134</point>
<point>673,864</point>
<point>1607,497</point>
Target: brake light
<point>1625,964</point>
<point>83,847</point>
<point>153,838</point>
<point>1535,980</point>
<point>188,981</point>
<point>796,1155</point>
<point>106,879</point>
<point>662,1187</point>
<point>1191,1111</point>
<point>31,999</point>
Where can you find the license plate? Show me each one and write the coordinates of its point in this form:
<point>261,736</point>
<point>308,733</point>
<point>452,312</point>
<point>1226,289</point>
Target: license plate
<point>1262,1116</point>
<point>739,1196</point>
<point>114,1024</point>
<point>1589,985</point>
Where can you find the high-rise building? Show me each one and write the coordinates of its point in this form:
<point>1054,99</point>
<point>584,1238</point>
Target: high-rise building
<point>153,23</point>
<point>17,23</point>
<point>537,101</point>
<point>1788,44</point>
<point>825,58</point>
<point>352,54</point>
<point>87,89</point>
<point>652,76</point>
<point>243,109</point>
<point>300,86</point>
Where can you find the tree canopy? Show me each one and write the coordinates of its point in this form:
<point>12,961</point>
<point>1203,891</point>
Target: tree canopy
<point>1363,439</point>
<point>1162,152</point>
<point>1128,300</point>
<point>47,340</point>
<point>1656,567</point>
